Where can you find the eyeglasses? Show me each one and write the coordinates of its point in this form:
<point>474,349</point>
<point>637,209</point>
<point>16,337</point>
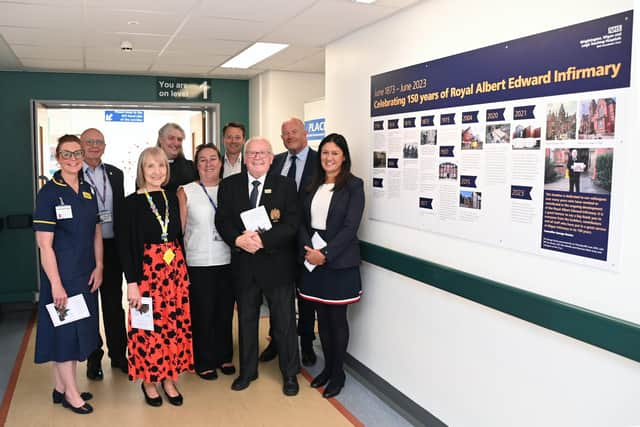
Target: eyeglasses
<point>78,154</point>
<point>94,142</point>
<point>257,153</point>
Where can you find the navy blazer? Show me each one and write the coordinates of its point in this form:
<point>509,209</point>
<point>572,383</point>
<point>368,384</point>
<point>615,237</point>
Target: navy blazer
<point>116,179</point>
<point>273,265</point>
<point>307,173</point>
<point>343,220</point>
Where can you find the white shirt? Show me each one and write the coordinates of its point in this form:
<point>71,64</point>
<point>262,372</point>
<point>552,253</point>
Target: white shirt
<point>203,245</point>
<point>99,181</point>
<point>261,179</point>
<point>320,206</point>
<point>230,169</point>
<point>301,159</point>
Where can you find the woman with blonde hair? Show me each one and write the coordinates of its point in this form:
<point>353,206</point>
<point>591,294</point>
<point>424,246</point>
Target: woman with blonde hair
<point>154,266</point>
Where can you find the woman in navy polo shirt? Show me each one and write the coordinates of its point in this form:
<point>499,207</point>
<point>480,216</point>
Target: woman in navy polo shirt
<point>70,241</point>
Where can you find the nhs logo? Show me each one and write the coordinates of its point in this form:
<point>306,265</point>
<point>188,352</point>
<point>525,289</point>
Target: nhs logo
<point>315,129</point>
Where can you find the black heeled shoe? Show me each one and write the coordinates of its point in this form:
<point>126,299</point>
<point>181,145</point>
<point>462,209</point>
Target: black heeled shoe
<point>320,380</point>
<point>82,410</point>
<point>57,396</point>
<point>151,401</point>
<point>174,400</point>
<point>332,390</point>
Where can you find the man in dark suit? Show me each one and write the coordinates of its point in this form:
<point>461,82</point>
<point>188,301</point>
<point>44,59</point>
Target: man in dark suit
<point>262,260</point>
<point>108,184</point>
<point>298,163</point>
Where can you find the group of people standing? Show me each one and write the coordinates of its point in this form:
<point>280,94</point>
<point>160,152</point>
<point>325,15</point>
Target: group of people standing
<point>188,257</point>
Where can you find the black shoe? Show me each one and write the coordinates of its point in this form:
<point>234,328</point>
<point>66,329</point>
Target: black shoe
<point>241,382</point>
<point>174,400</point>
<point>332,390</point>
<point>151,401</point>
<point>58,397</point>
<point>211,375</point>
<point>290,386</point>
<point>320,380</point>
<point>309,357</point>
<point>269,353</point>
<point>82,410</point>
<point>228,370</point>
<point>94,370</point>
<point>122,365</point>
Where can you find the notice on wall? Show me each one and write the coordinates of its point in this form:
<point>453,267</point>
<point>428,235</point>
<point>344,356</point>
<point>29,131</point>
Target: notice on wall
<point>520,144</point>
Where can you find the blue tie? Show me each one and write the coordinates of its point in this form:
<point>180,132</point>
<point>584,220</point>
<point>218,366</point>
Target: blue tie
<point>253,198</point>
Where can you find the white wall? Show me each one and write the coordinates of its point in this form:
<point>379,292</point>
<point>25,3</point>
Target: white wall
<point>467,364</point>
<point>275,96</point>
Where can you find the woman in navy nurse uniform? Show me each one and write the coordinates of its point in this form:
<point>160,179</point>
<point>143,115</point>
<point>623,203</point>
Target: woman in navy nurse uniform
<point>70,241</point>
<point>332,208</point>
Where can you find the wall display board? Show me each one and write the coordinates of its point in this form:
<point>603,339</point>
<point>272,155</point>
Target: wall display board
<point>519,144</point>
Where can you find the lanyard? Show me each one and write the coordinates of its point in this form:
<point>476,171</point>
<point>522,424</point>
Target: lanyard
<point>209,197</point>
<point>164,226</point>
<point>102,197</point>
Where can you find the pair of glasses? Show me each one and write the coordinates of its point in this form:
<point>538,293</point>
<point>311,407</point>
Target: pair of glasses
<point>94,142</point>
<point>78,154</point>
<point>257,153</point>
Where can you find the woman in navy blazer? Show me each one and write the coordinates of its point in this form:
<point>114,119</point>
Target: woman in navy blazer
<point>332,211</point>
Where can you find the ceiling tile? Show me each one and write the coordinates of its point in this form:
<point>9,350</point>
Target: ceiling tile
<point>318,25</point>
<point>260,11</point>
<point>34,36</point>
<point>235,72</point>
<point>311,64</point>
<point>115,55</point>
<point>53,64</point>
<point>180,69</point>
<point>288,56</point>
<point>48,52</point>
<point>124,66</point>
<point>113,40</point>
<point>208,46</point>
<point>38,16</point>
<point>116,20</point>
<point>226,29</point>
<point>177,58</point>
<point>144,5</point>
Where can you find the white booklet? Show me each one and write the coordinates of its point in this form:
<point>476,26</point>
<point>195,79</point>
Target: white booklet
<point>318,243</point>
<point>75,309</point>
<point>256,219</point>
<point>143,318</point>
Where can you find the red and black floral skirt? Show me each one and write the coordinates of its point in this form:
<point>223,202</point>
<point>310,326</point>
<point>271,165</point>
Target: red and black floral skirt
<point>166,351</point>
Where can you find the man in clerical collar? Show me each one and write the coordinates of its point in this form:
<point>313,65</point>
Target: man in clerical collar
<point>233,140</point>
<point>107,182</point>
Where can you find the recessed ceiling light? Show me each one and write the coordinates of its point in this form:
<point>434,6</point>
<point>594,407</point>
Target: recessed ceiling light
<point>364,1</point>
<point>133,22</point>
<point>254,54</point>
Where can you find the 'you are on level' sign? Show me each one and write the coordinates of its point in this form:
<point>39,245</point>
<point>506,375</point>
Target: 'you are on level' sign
<point>183,89</point>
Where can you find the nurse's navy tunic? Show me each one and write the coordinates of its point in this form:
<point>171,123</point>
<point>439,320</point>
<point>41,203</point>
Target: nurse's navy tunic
<point>73,242</point>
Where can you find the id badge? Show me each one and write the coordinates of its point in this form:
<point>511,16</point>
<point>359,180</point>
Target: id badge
<point>105,217</point>
<point>64,212</point>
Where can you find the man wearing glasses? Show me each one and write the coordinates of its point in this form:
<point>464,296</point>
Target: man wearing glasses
<point>262,261</point>
<point>107,182</point>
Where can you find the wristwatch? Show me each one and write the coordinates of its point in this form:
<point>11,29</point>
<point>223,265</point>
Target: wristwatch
<point>324,251</point>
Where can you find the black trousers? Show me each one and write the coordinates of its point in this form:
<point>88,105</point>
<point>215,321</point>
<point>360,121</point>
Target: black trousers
<point>112,311</point>
<point>211,299</point>
<point>306,318</point>
<point>333,329</point>
<point>283,327</point>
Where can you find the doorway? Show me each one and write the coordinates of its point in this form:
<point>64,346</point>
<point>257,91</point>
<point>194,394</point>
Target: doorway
<point>128,129</point>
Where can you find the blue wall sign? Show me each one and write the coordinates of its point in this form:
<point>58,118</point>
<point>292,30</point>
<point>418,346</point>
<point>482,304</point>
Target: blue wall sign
<point>315,129</point>
<point>130,116</point>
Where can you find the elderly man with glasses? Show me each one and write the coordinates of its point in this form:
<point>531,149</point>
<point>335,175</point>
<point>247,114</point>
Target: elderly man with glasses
<point>107,182</point>
<point>262,259</point>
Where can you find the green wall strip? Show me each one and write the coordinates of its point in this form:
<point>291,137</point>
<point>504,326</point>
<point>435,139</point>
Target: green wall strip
<point>612,334</point>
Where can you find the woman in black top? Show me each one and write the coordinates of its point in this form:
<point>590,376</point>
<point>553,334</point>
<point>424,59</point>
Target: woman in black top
<point>331,215</point>
<point>182,171</point>
<point>154,266</point>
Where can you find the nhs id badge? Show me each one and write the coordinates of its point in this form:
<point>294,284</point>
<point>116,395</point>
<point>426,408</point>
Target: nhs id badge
<point>105,217</point>
<point>64,212</point>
